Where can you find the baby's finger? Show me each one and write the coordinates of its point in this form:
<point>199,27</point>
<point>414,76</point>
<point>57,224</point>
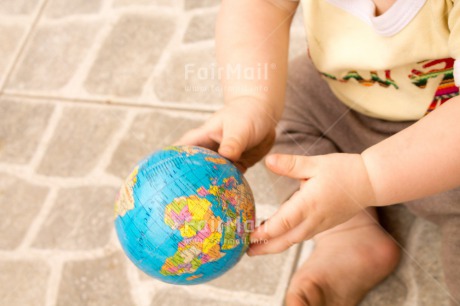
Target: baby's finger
<point>197,137</point>
<point>234,139</point>
<point>277,245</point>
<point>290,214</point>
<point>295,166</point>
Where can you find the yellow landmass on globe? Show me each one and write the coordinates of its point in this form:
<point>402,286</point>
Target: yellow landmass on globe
<point>206,235</point>
<point>186,213</point>
<point>125,200</point>
<point>193,217</point>
<point>230,239</point>
<point>216,160</point>
<point>194,277</point>
<point>190,150</point>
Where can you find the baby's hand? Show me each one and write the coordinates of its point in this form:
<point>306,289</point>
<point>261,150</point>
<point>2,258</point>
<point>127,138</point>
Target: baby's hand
<point>333,189</point>
<point>242,131</point>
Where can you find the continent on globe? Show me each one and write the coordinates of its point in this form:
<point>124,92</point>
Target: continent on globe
<point>189,150</point>
<point>184,215</point>
<point>201,230</point>
<point>215,160</point>
<point>125,199</point>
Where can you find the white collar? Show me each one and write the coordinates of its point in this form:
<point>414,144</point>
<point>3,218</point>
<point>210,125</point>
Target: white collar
<point>396,18</point>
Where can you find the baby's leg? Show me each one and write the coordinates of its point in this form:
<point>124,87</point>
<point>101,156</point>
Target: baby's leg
<point>444,210</point>
<point>353,257</point>
<point>347,262</point>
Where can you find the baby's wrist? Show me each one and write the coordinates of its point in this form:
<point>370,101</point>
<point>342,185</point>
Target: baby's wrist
<point>257,105</point>
<point>370,165</point>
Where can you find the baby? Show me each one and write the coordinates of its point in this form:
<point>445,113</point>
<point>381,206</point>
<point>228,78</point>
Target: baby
<point>371,119</point>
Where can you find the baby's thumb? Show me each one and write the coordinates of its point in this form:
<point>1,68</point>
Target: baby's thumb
<point>294,166</point>
<point>234,141</point>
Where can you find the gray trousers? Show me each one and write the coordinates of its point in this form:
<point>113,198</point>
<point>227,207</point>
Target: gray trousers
<point>315,122</point>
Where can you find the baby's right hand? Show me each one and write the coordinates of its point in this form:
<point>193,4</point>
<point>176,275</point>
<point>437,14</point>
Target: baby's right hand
<point>242,131</point>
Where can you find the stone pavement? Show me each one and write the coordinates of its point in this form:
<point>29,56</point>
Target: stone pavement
<point>87,88</point>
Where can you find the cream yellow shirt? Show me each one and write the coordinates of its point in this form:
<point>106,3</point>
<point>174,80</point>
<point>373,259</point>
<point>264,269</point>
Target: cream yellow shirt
<point>397,66</point>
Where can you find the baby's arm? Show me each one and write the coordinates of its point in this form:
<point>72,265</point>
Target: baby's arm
<point>252,34</point>
<point>421,160</point>
<point>252,37</point>
<point>425,158</point>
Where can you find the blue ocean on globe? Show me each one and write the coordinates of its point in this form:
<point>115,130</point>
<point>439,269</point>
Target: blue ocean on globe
<point>184,215</point>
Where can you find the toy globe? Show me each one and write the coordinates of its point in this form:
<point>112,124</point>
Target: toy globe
<point>184,215</point>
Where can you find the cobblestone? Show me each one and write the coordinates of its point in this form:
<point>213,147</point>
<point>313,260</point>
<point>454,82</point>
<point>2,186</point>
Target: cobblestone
<point>8,44</point>
<point>20,203</point>
<point>53,56</point>
<point>176,297</point>
<point>193,4</point>
<point>17,7</point>
<point>194,75</point>
<point>23,283</point>
<point>98,282</point>
<point>148,132</point>
<point>21,129</point>
<point>80,137</point>
<point>62,8</point>
<point>81,219</point>
<point>129,55</point>
<point>255,275</point>
<point>201,27</point>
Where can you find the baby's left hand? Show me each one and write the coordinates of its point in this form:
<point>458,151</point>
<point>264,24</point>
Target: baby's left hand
<point>333,189</point>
